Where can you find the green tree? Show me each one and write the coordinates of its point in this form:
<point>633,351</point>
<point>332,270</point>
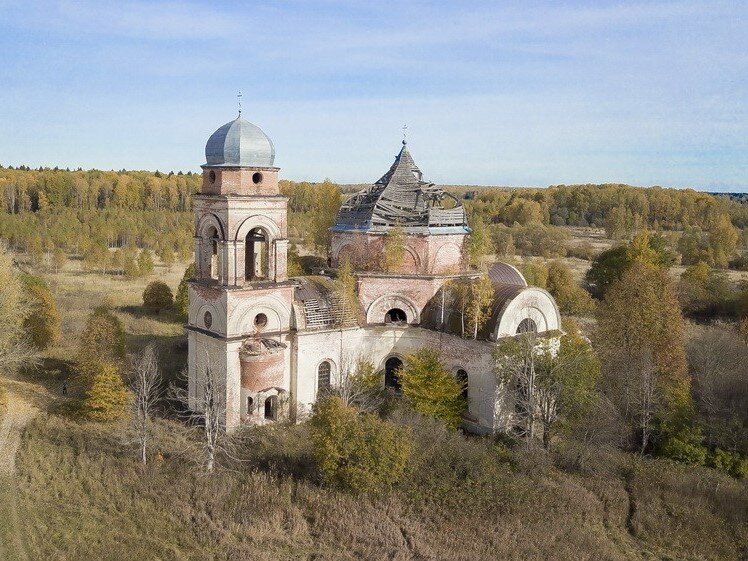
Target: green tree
<point>641,340</point>
<point>345,291</point>
<point>108,398</point>
<point>102,341</point>
<point>431,389</point>
<point>295,268</point>
<point>723,240</point>
<point>477,243</point>
<point>359,452</point>
<point>535,273</point>
<point>42,324</point>
<point>480,303</point>
<point>145,262</point>
<point>166,256</point>
<point>571,298</point>
<point>181,301</point>
<point>393,249</point>
<point>610,265</point>
<point>58,259</point>
<point>16,349</point>
<point>157,296</point>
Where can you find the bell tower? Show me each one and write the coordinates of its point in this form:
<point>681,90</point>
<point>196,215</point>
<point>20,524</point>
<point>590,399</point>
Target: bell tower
<point>240,290</point>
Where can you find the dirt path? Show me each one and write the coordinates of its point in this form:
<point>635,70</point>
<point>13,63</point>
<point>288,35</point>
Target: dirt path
<point>17,413</point>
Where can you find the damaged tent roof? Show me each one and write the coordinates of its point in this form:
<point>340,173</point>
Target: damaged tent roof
<point>402,198</point>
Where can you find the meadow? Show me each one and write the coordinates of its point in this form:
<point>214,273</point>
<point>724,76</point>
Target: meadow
<point>81,494</point>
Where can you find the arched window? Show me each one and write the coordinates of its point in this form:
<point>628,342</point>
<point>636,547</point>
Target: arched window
<point>271,404</point>
<point>213,238</point>
<point>250,405</point>
<point>395,315</point>
<point>527,326</point>
<point>391,369</point>
<point>323,377</point>
<point>462,378</point>
<point>256,255</point>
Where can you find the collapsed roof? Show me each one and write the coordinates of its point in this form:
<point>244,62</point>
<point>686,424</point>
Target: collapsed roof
<point>402,198</point>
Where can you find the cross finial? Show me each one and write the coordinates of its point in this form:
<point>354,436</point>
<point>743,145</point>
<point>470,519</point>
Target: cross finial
<point>405,134</point>
<point>239,99</point>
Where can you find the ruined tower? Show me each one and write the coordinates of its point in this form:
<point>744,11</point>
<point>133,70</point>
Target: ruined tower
<point>240,298</point>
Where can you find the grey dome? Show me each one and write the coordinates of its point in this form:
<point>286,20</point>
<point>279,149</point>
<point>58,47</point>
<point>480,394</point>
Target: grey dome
<point>239,143</point>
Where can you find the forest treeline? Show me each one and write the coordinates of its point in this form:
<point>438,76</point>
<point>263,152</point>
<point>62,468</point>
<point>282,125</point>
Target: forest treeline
<point>83,212</point>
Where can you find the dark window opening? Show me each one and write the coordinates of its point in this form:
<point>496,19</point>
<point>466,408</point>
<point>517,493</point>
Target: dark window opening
<point>250,405</point>
<point>395,315</point>
<point>527,326</point>
<point>213,237</point>
<point>270,407</point>
<point>256,255</point>
<point>261,320</point>
<point>391,369</point>
<point>323,377</point>
<point>212,177</point>
<point>462,378</point>
<point>256,177</point>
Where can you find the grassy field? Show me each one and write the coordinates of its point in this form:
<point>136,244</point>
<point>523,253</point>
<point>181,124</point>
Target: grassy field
<point>82,495</point>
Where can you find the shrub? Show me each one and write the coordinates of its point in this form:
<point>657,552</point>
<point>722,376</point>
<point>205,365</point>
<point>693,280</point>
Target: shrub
<point>157,296</point>
<point>357,452</point>
<point>431,389</point>
<point>584,250</point>
<point>535,273</point>
<point>684,447</point>
<point>731,463</point>
<point>107,399</point>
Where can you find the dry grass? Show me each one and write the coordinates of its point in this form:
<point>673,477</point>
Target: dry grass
<point>84,496</point>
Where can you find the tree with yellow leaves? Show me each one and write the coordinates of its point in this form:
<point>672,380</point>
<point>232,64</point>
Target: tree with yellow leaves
<point>108,398</point>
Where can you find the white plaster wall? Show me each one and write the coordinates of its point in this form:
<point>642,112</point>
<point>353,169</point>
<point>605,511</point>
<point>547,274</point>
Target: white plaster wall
<point>534,303</point>
<point>377,344</point>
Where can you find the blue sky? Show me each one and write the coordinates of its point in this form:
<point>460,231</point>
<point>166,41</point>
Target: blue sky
<point>503,93</point>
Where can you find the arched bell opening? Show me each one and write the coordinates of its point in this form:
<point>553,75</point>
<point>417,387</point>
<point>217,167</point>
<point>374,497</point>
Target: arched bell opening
<point>256,256</point>
<point>213,239</point>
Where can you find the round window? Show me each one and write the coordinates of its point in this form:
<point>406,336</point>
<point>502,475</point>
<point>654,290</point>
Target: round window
<point>208,319</point>
<point>257,178</point>
<point>261,320</point>
<point>212,176</point>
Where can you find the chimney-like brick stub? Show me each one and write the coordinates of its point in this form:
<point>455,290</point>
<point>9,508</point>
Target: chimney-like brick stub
<point>262,364</point>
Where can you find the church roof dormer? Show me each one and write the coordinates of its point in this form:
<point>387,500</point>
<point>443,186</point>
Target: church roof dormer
<point>402,198</point>
<point>239,143</point>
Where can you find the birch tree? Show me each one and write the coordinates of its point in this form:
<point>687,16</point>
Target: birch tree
<point>146,386</point>
<point>209,413</point>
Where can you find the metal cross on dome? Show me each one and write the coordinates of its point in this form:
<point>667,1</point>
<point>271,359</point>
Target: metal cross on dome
<point>239,99</point>
<point>405,133</point>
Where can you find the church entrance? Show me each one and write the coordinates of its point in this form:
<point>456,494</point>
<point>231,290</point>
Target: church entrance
<point>391,368</point>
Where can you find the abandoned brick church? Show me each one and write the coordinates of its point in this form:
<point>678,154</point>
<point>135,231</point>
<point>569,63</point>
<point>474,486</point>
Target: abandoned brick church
<point>276,342</point>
